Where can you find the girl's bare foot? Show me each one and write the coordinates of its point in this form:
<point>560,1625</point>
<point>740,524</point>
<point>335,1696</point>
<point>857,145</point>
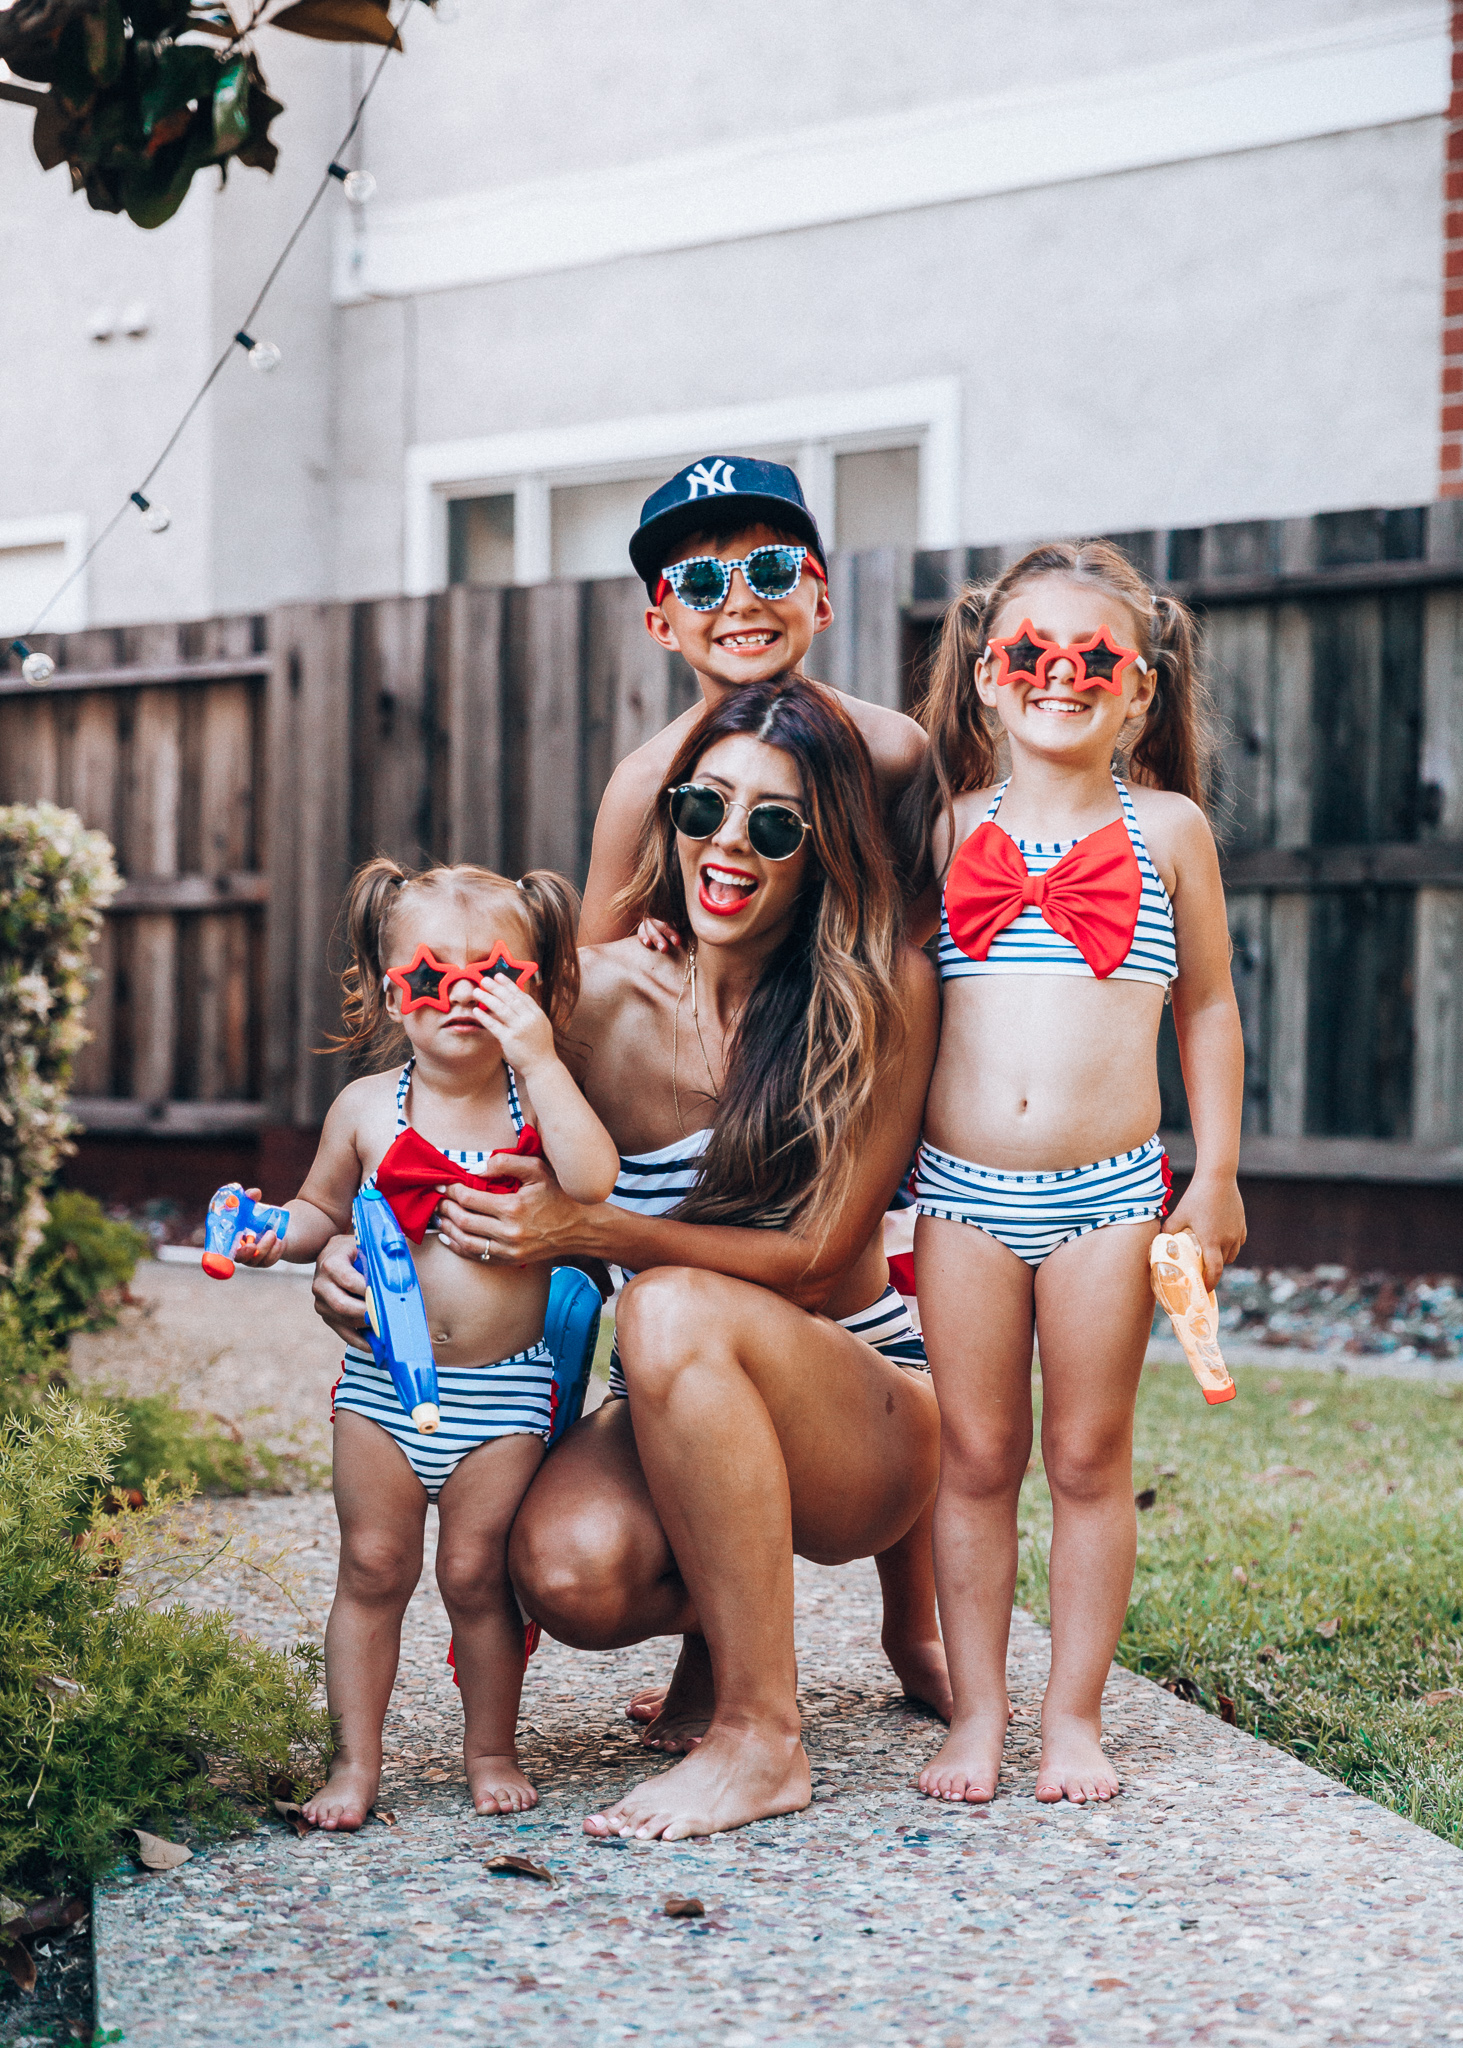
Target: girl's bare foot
<point>345,1798</point>
<point>921,1670</point>
<point>1073,1765</point>
<point>969,1764</point>
<point>734,1776</point>
<point>498,1786</point>
<point>678,1715</point>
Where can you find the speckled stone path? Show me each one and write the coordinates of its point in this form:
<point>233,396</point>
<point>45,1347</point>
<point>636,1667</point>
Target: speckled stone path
<point>1230,1896</point>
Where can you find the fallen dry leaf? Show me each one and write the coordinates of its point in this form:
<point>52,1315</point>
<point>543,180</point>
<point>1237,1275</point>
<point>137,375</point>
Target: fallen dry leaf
<point>1146,1498</point>
<point>1303,1407</point>
<point>1448,1692</point>
<point>1110,1984</point>
<point>19,1962</point>
<point>1273,1474</point>
<point>45,1916</point>
<point>677,1908</point>
<point>385,1815</point>
<point>519,1866</point>
<point>156,1854</point>
<point>1226,1708</point>
<point>60,1688</point>
<point>1240,1576</point>
<point>1327,1629</point>
<point>293,1815</point>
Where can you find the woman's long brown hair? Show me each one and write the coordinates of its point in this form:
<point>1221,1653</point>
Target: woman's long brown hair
<point>376,890</point>
<point>1174,749</point>
<point>819,1029</point>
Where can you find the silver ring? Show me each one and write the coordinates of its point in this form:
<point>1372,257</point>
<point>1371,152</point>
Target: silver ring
<point>486,1254</point>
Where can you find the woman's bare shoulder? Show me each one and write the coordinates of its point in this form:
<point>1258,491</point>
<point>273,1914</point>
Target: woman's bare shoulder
<point>618,972</point>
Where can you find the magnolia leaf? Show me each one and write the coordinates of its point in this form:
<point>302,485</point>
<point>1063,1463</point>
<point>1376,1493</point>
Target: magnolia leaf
<point>156,1854</point>
<point>18,1961</point>
<point>338,21</point>
<point>106,43</point>
<point>48,136</point>
<point>220,25</point>
<point>183,73</point>
<point>60,1688</point>
<point>231,108</point>
<point>292,1814</point>
<point>677,1908</point>
<point>519,1866</point>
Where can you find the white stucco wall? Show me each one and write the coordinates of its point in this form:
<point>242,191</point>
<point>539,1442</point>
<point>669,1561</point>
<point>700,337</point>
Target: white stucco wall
<point>1244,334</point>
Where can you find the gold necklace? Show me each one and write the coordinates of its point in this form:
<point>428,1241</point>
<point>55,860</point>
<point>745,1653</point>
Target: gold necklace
<point>688,982</point>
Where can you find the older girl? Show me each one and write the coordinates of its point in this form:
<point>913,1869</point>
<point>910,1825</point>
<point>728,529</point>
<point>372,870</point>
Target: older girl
<point>1079,894</point>
<point>484,1072</point>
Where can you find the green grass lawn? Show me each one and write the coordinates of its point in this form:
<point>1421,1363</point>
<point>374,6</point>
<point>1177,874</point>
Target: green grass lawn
<point>1300,1571</point>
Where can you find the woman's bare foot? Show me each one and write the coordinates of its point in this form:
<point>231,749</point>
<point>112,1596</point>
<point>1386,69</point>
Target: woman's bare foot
<point>345,1798</point>
<point>1073,1765</point>
<point>734,1776</point>
<point>680,1713</point>
<point>498,1786</point>
<point>969,1765</point>
<point>921,1669</point>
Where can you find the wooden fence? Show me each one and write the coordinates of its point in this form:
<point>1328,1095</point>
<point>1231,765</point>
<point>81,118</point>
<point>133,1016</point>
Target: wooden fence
<point>243,766</point>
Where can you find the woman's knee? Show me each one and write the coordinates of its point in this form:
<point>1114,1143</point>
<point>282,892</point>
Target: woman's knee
<point>574,1573</point>
<point>662,1316</point>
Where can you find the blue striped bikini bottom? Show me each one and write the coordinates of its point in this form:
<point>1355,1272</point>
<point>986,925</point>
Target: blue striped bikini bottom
<point>886,1325</point>
<point>512,1397</point>
<point>1031,1214</point>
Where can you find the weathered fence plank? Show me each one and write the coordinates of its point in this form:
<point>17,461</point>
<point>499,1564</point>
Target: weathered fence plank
<point>471,665</point>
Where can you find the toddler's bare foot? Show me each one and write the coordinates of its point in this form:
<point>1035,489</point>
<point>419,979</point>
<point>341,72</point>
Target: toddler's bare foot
<point>683,1711</point>
<point>1073,1765</point>
<point>345,1798</point>
<point>498,1786</point>
<point>921,1670</point>
<point>734,1776</point>
<point>969,1765</point>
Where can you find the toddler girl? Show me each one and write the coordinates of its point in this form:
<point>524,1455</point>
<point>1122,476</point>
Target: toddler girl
<point>1079,894</point>
<point>450,957</point>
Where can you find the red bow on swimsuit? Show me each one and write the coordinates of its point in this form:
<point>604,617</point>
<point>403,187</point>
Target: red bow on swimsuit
<point>1090,896</point>
<point>413,1174</point>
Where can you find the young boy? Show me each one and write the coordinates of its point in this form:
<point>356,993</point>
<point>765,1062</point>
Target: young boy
<point>732,631</point>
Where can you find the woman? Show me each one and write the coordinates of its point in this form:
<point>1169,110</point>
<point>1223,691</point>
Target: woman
<point>771,1080</point>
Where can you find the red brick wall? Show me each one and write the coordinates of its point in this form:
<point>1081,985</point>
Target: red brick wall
<point>1450,446</point>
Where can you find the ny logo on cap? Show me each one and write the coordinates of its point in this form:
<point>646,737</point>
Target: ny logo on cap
<point>704,480</point>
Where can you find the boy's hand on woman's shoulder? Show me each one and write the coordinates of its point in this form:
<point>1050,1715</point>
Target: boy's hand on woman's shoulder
<point>659,936</point>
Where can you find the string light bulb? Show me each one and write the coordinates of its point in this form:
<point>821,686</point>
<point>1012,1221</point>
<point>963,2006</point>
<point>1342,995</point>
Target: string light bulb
<point>34,666</point>
<point>155,517</point>
<point>358,186</point>
<point>263,355</point>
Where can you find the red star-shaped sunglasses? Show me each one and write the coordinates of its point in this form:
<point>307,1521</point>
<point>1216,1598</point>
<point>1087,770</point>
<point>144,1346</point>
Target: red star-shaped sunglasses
<point>1098,661</point>
<point>425,983</point>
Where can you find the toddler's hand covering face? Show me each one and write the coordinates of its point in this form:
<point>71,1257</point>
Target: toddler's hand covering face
<point>517,1022</point>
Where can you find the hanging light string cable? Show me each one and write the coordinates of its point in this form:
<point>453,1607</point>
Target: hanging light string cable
<point>39,668</point>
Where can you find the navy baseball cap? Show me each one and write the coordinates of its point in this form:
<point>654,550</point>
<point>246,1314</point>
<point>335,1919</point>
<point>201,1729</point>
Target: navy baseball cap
<point>705,493</point>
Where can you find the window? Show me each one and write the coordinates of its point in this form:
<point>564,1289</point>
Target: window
<point>35,556</point>
<point>876,498</point>
<point>480,539</point>
<point>590,526</point>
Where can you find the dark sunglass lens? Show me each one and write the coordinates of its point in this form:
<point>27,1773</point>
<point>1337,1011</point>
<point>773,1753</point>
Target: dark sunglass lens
<point>775,833</point>
<point>702,584</point>
<point>774,572</point>
<point>697,812</point>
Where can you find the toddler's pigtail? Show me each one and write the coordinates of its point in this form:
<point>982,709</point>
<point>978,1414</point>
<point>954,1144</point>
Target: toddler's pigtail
<point>369,902</point>
<point>553,916</point>
<point>962,752</point>
<point>1175,749</point>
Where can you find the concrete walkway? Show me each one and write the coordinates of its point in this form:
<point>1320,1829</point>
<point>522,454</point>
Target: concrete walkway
<point>1231,1895</point>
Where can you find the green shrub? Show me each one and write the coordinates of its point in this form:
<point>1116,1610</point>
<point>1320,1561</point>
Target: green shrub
<point>161,1440</point>
<point>78,1273</point>
<point>115,1714</point>
<point>55,880</point>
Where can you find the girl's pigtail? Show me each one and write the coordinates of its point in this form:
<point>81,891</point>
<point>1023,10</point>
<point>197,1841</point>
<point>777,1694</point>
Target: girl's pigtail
<point>366,913</point>
<point>553,916</point>
<point>962,752</point>
<point>1176,747</point>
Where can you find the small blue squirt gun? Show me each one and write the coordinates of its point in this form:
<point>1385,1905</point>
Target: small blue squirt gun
<point>231,1215</point>
<point>396,1317</point>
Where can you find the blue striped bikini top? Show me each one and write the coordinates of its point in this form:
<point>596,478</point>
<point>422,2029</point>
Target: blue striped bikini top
<point>654,1183</point>
<point>1029,945</point>
<point>471,1162</point>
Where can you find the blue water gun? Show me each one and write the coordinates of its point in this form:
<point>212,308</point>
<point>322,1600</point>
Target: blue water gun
<point>396,1317</point>
<point>231,1215</point>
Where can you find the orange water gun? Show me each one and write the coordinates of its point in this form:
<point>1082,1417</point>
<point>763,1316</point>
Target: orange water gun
<point>1176,1268</point>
